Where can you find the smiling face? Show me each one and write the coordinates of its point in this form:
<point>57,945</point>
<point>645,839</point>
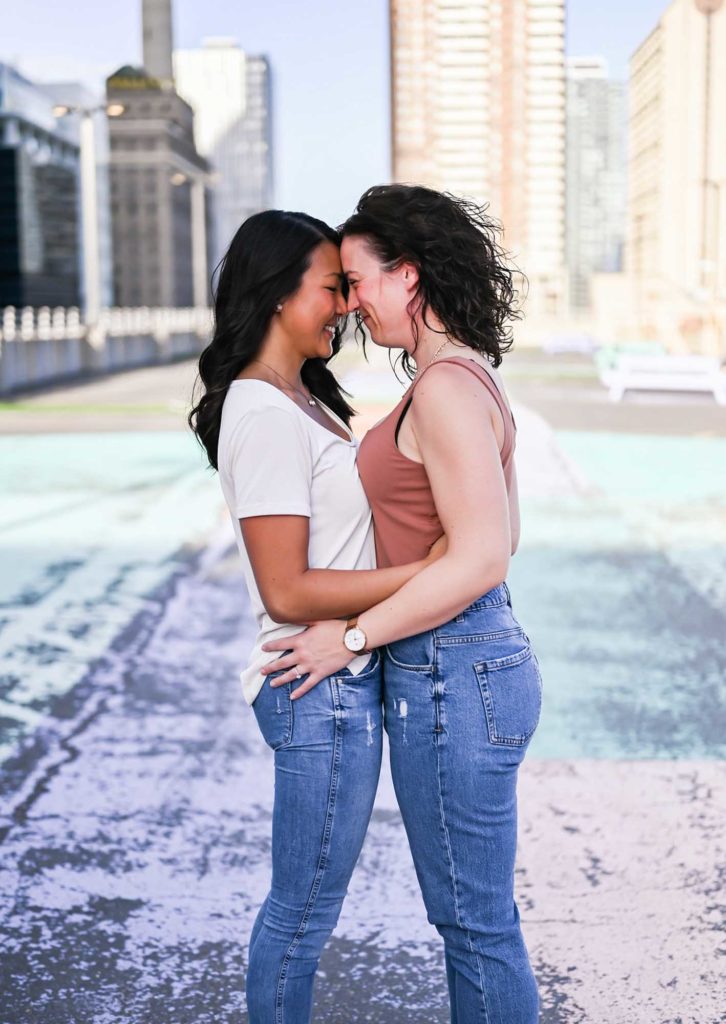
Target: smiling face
<point>310,315</point>
<point>381,297</point>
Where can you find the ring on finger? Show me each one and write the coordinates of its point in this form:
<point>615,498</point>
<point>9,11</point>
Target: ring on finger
<point>298,673</point>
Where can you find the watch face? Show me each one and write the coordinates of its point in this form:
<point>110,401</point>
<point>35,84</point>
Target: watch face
<point>355,639</point>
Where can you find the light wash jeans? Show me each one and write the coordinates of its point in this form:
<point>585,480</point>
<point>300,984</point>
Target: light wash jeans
<point>327,760</point>
<point>461,704</point>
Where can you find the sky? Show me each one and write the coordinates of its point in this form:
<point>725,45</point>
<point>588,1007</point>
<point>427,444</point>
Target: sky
<point>330,65</point>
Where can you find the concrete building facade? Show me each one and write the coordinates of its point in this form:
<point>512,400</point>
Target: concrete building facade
<point>596,175</point>
<point>676,218</point>
<point>95,200</point>
<point>478,108</point>
<point>230,94</point>
<point>39,199</point>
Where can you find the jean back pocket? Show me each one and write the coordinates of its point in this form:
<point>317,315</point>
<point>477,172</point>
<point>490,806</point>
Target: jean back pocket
<point>511,690</point>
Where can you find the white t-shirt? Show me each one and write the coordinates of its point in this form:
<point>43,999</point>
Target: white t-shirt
<point>275,460</point>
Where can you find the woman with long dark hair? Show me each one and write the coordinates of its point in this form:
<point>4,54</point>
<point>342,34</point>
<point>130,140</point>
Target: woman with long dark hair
<point>462,686</point>
<point>276,425</point>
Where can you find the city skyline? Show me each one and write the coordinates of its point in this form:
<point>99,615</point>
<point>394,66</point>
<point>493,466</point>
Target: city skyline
<point>323,161</point>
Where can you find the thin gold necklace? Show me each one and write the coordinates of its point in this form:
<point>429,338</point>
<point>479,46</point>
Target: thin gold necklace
<point>308,398</point>
<point>432,357</point>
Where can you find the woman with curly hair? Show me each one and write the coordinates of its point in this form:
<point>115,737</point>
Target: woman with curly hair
<point>462,688</point>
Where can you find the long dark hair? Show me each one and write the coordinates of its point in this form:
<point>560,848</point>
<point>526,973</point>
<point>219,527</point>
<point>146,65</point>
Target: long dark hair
<point>263,266</point>
<point>464,276</point>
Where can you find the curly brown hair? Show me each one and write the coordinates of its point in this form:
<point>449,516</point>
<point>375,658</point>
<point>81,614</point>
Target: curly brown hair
<point>465,276</point>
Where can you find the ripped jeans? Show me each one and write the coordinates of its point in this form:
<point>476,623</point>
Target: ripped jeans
<point>327,761</point>
<point>461,704</point>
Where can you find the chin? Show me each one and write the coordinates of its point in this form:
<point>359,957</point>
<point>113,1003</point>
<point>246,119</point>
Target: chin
<point>373,335</point>
<point>324,351</point>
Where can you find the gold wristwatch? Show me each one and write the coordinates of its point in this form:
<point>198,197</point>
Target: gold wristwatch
<point>354,637</point>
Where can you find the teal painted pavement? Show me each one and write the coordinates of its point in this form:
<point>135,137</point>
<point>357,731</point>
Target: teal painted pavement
<point>90,524</point>
<point>620,583</point>
<point>622,588</point>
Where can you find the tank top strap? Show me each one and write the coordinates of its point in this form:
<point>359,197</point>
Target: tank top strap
<point>486,378</point>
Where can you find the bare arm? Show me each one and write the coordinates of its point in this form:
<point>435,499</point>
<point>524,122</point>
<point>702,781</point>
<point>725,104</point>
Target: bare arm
<point>463,464</point>
<point>293,592</point>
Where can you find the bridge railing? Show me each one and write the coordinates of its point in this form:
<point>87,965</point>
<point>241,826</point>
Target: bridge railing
<point>44,345</point>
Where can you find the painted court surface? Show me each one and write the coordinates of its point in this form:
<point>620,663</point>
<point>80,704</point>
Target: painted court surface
<point>136,791</point>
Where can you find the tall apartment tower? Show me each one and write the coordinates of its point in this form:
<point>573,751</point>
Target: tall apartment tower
<point>596,175</point>
<point>478,108</point>
<point>229,92</point>
<point>676,218</point>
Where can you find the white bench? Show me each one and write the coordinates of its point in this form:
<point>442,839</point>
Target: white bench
<point>665,373</point>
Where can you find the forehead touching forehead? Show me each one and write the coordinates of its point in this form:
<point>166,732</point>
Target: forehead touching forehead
<point>325,260</point>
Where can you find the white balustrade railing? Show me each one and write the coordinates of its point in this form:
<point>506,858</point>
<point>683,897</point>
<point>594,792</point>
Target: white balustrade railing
<point>44,323</point>
<point>39,346</point>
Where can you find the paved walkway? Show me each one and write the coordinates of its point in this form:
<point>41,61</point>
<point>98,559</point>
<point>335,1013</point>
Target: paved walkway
<point>137,791</point>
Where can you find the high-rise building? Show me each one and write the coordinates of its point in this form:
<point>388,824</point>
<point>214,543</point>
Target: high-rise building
<point>478,108</point>
<point>39,199</point>
<point>229,92</point>
<point>77,99</point>
<point>676,217</point>
<point>596,175</point>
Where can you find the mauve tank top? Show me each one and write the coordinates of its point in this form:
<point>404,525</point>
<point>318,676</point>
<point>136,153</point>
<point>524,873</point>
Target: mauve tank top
<point>397,488</point>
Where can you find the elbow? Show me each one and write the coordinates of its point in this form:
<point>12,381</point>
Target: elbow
<point>481,574</point>
<point>492,572</point>
<point>284,608</point>
<point>498,573</point>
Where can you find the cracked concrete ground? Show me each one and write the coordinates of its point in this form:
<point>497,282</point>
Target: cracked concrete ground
<point>135,824</point>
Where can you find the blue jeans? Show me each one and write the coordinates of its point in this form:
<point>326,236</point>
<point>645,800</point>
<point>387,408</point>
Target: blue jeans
<point>327,761</point>
<point>461,704</point>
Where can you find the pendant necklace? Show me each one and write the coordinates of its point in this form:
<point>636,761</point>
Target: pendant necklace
<point>308,398</point>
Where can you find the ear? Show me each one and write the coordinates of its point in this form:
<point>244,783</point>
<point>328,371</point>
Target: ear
<point>409,276</point>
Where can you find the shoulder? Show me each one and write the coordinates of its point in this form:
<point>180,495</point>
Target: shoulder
<point>256,404</point>
<point>447,387</point>
<point>260,415</point>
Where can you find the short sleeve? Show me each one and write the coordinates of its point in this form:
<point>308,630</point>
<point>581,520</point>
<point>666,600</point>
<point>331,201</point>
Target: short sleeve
<point>270,464</point>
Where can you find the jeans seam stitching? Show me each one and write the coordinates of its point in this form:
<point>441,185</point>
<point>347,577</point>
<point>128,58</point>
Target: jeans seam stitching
<point>322,863</point>
<point>411,668</point>
<point>467,638</point>
<point>480,970</point>
<point>449,854</point>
